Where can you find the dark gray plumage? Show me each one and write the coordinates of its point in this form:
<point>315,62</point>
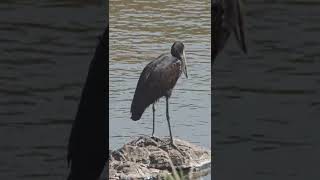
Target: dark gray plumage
<point>157,80</point>
<point>227,18</point>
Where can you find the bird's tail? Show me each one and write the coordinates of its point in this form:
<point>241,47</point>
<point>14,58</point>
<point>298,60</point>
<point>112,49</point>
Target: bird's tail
<point>137,108</point>
<point>140,102</point>
<point>136,116</point>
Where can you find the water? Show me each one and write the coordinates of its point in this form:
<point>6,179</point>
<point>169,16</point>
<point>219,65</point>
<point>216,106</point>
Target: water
<point>142,30</point>
<point>266,104</point>
<point>46,47</point>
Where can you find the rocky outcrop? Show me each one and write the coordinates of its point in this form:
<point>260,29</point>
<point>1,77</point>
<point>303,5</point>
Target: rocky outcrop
<point>150,158</point>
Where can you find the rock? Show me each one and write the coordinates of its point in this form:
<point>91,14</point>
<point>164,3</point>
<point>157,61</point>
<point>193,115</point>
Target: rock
<point>150,158</point>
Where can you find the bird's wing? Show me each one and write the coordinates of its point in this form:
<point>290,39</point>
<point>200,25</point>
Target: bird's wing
<point>160,75</point>
<point>144,94</point>
<point>145,75</point>
<point>167,74</point>
<point>150,69</point>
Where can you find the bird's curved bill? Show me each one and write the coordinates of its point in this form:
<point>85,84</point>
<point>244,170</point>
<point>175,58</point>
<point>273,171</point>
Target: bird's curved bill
<point>184,67</point>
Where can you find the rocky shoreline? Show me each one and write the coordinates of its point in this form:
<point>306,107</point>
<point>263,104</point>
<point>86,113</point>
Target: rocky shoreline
<point>153,158</point>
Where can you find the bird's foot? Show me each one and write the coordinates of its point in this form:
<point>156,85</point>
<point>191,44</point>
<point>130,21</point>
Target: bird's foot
<point>157,139</point>
<point>154,137</point>
<point>176,148</point>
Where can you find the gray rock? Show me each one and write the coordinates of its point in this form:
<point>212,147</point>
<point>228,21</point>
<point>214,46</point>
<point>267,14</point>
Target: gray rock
<point>151,158</point>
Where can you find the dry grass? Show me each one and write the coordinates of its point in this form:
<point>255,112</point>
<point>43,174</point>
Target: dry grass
<point>174,175</point>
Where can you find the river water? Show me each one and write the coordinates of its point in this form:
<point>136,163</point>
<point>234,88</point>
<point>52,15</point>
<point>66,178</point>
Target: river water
<point>46,47</point>
<point>266,105</point>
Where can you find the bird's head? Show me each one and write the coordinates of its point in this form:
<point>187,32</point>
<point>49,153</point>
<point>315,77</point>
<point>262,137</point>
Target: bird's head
<point>177,50</point>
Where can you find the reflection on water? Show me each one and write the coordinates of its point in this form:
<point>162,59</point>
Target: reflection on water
<point>142,30</point>
<point>46,47</point>
<point>266,104</point>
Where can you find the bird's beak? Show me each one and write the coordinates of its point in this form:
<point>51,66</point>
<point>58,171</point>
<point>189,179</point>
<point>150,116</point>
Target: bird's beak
<point>239,27</point>
<point>184,64</point>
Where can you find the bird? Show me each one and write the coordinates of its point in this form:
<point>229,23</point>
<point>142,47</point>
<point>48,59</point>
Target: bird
<point>87,147</point>
<point>227,18</point>
<point>157,80</point>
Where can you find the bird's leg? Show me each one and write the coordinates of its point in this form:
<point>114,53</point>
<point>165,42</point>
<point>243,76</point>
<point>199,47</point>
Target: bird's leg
<point>153,111</point>
<point>168,119</point>
<point>152,136</point>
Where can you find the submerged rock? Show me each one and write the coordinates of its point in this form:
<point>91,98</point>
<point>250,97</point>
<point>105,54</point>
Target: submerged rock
<point>151,158</point>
